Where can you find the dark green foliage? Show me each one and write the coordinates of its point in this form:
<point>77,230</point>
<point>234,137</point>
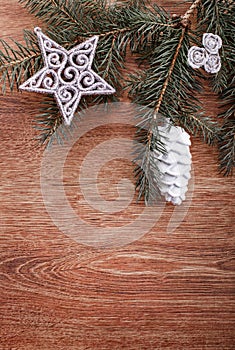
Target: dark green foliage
<point>147,142</point>
<point>120,27</point>
<point>73,18</point>
<point>165,87</point>
<point>227,147</point>
<point>227,132</point>
<point>48,121</point>
<point>218,16</point>
<point>179,103</point>
<point>109,61</point>
<point>50,124</point>
<point>19,61</point>
<point>168,87</point>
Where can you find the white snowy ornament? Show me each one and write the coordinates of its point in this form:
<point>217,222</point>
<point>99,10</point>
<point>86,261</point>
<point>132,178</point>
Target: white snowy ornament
<point>175,164</point>
<point>67,74</point>
<point>207,57</point>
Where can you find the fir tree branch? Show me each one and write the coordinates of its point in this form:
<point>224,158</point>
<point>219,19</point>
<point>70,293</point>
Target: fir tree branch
<point>49,122</point>
<point>173,83</point>
<point>19,62</point>
<point>132,27</point>
<point>186,17</point>
<point>108,58</point>
<point>13,63</point>
<point>227,132</point>
<point>128,29</point>
<point>109,61</point>
<point>185,22</point>
<point>94,17</point>
<point>227,147</point>
<point>64,14</point>
<point>45,9</point>
<point>159,102</point>
<point>64,10</point>
<point>217,16</point>
<point>202,126</point>
<point>167,86</point>
<point>146,171</point>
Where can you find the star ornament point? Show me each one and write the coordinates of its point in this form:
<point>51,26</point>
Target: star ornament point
<point>67,74</point>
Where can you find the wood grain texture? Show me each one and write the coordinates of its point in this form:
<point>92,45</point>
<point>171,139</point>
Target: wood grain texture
<point>163,291</point>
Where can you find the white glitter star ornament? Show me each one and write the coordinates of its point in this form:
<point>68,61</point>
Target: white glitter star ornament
<point>67,74</point>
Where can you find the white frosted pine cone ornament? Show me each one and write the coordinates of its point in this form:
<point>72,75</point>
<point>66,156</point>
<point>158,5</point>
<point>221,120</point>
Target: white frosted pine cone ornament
<point>175,164</point>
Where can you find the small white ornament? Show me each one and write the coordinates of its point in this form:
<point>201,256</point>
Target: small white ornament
<point>67,74</point>
<point>213,64</point>
<point>207,56</point>
<point>197,56</point>
<point>175,165</point>
<point>212,42</point>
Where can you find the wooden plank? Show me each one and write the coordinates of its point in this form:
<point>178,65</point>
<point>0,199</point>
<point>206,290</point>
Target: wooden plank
<point>163,291</point>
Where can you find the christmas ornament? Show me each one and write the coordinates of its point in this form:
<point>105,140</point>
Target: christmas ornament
<point>207,56</point>
<point>67,74</point>
<point>165,84</point>
<point>175,164</point>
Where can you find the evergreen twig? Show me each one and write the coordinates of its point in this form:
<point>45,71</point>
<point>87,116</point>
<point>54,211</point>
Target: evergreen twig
<point>18,62</point>
<point>166,87</point>
<point>217,16</point>
<point>227,132</point>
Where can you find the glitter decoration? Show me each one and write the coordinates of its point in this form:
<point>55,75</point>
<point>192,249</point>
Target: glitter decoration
<point>197,57</point>
<point>213,64</point>
<point>212,42</point>
<point>175,165</point>
<point>207,57</point>
<point>67,74</point>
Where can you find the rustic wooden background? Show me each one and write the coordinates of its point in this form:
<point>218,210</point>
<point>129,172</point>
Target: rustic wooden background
<point>164,291</point>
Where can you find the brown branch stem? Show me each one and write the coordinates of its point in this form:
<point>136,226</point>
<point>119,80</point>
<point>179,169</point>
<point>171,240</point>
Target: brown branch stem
<point>185,18</point>
<point>184,23</point>
<point>117,31</point>
<point>13,63</point>
<point>63,10</point>
<point>190,11</point>
<point>156,110</point>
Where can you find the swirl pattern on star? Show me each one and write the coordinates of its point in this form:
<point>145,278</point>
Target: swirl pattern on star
<point>67,74</point>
